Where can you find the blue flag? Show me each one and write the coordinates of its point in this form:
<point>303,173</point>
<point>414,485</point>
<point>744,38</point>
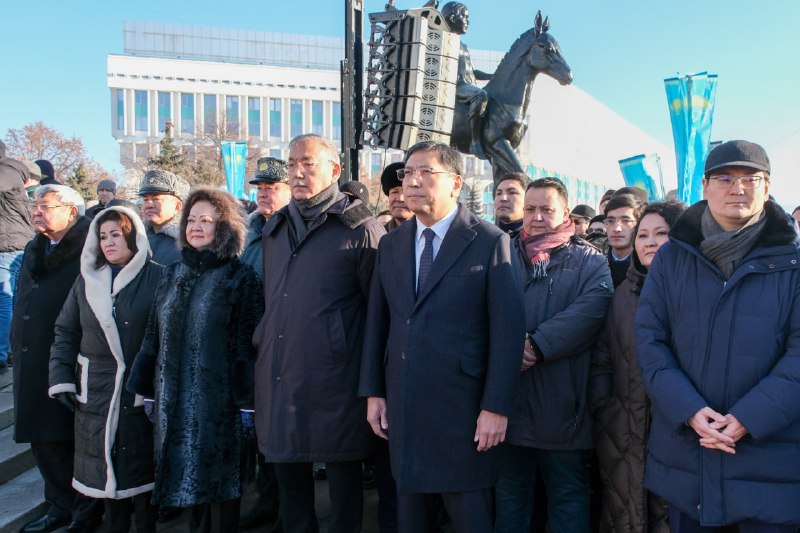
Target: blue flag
<point>234,158</point>
<point>644,171</point>
<point>691,110</point>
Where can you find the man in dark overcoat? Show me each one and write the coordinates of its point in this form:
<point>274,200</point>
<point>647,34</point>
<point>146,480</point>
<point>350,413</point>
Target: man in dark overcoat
<point>319,253</point>
<point>50,264</point>
<point>443,347</point>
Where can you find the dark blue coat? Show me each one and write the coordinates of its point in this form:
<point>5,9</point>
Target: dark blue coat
<point>442,356</point>
<point>564,313</point>
<point>733,346</point>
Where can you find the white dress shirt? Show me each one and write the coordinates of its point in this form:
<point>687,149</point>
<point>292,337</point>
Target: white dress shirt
<point>440,229</point>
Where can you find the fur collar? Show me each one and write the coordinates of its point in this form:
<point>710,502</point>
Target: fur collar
<point>67,248</point>
<point>170,229</point>
<point>779,229</point>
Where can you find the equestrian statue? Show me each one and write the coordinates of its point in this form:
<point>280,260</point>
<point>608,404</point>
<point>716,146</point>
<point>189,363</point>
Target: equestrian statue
<point>489,122</point>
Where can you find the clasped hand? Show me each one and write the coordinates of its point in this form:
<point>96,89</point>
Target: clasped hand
<point>717,431</point>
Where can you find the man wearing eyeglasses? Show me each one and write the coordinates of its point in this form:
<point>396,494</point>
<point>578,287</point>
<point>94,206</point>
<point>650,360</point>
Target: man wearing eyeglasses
<point>442,349</point>
<point>622,211</point>
<point>50,264</point>
<point>718,343</point>
<point>319,252</point>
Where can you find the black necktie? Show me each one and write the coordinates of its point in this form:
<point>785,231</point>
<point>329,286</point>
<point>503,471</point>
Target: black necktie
<point>426,260</point>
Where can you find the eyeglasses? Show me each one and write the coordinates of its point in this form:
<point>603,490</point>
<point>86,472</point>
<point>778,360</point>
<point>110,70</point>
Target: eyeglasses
<point>723,181</point>
<point>624,221</point>
<point>308,164</point>
<point>424,173</point>
<point>44,207</point>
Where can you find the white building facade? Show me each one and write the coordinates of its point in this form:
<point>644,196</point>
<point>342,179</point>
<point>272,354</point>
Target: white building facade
<point>266,88</point>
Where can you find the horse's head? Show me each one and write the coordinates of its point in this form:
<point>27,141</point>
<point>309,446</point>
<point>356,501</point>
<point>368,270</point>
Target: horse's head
<point>545,54</point>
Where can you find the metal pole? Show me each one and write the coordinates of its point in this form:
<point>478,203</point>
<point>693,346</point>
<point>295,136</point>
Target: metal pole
<point>352,69</point>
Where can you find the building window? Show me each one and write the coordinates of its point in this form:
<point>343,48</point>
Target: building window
<point>120,109</point>
<point>276,153</point>
<point>254,116</point>
<point>296,118</point>
<point>140,110</point>
<point>232,115</point>
<point>210,113</point>
<point>187,113</point>
<point>317,115</point>
<point>274,117</point>
<point>337,121</point>
<point>163,109</point>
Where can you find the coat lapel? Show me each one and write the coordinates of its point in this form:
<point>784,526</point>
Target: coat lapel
<point>458,237</point>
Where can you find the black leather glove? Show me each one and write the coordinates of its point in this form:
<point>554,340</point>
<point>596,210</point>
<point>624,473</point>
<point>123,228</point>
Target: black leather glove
<point>67,399</point>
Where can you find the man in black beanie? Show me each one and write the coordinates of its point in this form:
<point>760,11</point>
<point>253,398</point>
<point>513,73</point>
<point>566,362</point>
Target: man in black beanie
<point>48,173</point>
<point>393,189</point>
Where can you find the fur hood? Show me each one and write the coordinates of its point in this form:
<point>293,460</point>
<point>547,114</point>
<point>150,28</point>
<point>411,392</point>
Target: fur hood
<point>230,229</point>
<point>103,274</point>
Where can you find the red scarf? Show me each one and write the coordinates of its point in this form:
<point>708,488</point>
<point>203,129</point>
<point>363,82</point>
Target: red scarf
<point>537,248</point>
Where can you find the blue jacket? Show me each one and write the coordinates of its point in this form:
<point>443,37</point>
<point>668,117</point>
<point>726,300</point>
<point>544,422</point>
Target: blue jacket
<point>564,312</point>
<point>733,346</point>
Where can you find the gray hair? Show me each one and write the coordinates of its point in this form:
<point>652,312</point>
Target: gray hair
<point>327,144</point>
<point>66,195</point>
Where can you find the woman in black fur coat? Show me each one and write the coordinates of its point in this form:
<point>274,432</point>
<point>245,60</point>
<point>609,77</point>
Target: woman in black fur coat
<point>196,361</point>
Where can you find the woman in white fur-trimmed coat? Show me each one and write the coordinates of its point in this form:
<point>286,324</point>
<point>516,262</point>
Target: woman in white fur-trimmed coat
<point>97,336</point>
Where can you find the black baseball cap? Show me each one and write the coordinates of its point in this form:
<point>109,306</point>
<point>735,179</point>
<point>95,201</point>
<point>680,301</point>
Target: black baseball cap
<point>737,154</point>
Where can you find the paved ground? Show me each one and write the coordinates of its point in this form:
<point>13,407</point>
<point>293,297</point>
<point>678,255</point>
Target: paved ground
<point>370,523</point>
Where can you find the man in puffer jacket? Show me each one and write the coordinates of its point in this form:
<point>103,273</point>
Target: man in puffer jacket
<point>718,342</point>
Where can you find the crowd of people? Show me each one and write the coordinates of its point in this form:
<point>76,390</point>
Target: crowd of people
<point>164,351</point>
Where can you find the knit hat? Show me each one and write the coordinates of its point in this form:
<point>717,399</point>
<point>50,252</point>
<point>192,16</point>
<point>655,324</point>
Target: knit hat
<point>737,154</point>
<point>583,211</point>
<point>48,172</point>
<point>356,189</point>
<point>107,185</point>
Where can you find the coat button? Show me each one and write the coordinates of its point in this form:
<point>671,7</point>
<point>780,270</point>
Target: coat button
<point>285,295</point>
<point>408,321</point>
<point>772,266</point>
<point>294,255</point>
<point>278,378</point>
<point>403,355</point>
<point>26,317</point>
<point>24,348</point>
<point>35,286</point>
<point>280,337</point>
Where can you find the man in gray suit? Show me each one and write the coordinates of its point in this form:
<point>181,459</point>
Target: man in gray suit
<point>443,347</point>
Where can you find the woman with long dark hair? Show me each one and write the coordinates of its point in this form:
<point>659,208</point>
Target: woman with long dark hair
<point>97,336</point>
<point>196,361</point>
<point>619,404</point>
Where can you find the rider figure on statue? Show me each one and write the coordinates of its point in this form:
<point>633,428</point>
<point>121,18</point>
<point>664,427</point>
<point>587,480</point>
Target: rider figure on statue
<point>457,16</point>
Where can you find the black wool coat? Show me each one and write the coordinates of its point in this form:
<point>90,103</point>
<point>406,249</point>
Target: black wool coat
<point>309,341</point>
<point>196,362</point>
<point>98,334</point>
<point>43,285</point>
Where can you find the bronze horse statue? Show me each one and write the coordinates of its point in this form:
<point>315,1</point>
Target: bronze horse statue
<point>509,92</point>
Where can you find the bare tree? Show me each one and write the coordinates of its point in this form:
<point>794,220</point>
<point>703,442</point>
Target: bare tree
<point>68,155</point>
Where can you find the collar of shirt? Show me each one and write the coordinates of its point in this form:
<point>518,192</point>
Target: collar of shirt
<point>439,228</point>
